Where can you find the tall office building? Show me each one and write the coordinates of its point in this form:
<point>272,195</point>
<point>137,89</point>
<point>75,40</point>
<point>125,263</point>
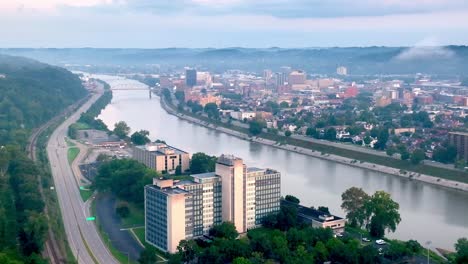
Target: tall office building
<point>342,70</point>
<point>176,210</point>
<point>281,78</point>
<point>460,141</point>
<point>297,77</point>
<point>191,77</point>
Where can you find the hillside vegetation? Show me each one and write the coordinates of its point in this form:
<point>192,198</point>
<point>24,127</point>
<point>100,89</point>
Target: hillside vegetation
<point>31,93</point>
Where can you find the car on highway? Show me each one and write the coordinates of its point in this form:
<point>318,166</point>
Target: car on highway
<point>380,242</point>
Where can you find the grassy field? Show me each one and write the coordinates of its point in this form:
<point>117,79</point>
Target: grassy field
<point>448,174</point>
<point>140,233</point>
<point>86,194</point>
<point>72,153</point>
<point>121,257</point>
<point>82,126</point>
<point>136,217</point>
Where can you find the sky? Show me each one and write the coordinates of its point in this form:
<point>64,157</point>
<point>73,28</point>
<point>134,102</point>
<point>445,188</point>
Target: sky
<point>231,23</point>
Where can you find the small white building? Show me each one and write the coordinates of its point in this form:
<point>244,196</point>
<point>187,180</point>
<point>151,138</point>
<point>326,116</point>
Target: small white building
<point>241,115</point>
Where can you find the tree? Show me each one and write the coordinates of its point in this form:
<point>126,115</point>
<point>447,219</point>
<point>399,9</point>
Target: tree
<point>323,209</point>
<point>188,249</point>
<point>292,199</point>
<point>148,256</point>
<point>121,129</point>
<point>462,251</point>
<point>256,126</point>
<point>201,163</point>
<point>330,134</point>
<point>445,154</point>
<point>211,109</point>
<point>241,260</point>
<point>405,155</point>
<point>311,131</point>
<point>224,230</point>
<point>284,104</point>
<point>287,133</point>
<point>140,137</point>
<point>417,156</point>
<point>367,140</point>
<point>321,252</point>
<point>391,151</point>
<point>354,200</point>
<point>122,210</point>
<point>383,213</point>
<point>180,96</point>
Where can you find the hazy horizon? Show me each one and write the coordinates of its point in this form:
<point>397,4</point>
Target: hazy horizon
<point>232,23</point>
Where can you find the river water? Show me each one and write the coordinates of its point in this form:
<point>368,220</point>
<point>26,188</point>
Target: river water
<point>428,212</point>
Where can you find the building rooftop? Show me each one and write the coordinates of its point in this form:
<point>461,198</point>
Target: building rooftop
<point>204,175</point>
<point>161,149</point>
<point>169,190</point>
<point>228,159</point>
<point>254,169</point>
<point>459,133</point>
<point>312,213</point>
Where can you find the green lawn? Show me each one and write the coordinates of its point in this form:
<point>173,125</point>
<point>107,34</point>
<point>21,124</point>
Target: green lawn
<point>121,257</point>
<point>136,217</point>
<point>72,153</point>
<point>140,233</point>
<point>85,194</point>
<point>81,126</point>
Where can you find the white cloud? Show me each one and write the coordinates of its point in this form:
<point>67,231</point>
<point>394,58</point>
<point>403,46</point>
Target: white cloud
<point>48,4</point>
<point>427,48</point>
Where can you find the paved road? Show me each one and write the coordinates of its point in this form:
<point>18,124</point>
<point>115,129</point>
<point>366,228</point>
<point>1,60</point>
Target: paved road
<point>84,240</point>
<point>110,222</point>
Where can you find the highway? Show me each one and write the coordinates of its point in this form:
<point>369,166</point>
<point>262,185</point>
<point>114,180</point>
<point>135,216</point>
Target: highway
<point>83,238</point>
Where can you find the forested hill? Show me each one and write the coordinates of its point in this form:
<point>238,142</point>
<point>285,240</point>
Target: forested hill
<point>31,93</point>
<point>442,60</point>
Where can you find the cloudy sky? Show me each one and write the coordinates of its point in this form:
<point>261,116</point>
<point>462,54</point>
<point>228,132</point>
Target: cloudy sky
<point>229,23</point>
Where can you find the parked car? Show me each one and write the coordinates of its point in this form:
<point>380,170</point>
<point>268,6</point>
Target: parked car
<point>380,242</point>
<point>365,239</point>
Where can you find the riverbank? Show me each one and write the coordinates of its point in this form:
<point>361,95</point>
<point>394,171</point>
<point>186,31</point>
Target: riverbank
<point>318,154</point>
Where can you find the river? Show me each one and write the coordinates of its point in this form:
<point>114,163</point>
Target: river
<point>428,212</point>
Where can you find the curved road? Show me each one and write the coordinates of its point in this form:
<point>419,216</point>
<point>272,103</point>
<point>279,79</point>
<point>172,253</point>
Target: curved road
<point>82,235</point>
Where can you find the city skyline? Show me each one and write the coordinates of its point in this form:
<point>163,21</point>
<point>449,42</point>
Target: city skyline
<point>232,23</point>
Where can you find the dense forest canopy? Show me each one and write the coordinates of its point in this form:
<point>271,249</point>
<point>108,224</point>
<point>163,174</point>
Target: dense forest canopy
<point>31,93</point>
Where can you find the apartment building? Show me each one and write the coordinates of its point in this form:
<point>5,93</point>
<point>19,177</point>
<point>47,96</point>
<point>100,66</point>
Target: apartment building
<point>460,141</point>
<point>162,157</point>
<point>232,193</point>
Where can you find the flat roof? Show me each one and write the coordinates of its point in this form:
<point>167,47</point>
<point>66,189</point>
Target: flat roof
<point>459,133</point>
<point>158,152</point>
<point>169,191</point>
<point>312,213</point>
<point>254,169</point>
<point>205,175</point>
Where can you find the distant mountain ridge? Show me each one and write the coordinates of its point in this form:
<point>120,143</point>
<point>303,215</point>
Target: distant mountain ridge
<point>446,60</point>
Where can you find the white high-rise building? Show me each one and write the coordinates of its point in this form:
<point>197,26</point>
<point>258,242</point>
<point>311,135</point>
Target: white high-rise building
<point>176,210</point>
<point>342,70</point>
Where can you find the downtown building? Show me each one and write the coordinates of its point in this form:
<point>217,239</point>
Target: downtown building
<point>187,209</point>
<point>162,157</point>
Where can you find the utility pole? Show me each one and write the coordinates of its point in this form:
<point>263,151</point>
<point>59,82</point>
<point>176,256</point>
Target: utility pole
<point>428,243</point>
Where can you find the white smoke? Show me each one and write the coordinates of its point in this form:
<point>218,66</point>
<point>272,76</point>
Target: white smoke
<point>424,49</point>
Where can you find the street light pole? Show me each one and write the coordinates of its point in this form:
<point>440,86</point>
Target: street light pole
<point>428,243</point>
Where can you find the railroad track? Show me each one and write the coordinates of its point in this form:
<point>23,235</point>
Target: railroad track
<point>52,249</point>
